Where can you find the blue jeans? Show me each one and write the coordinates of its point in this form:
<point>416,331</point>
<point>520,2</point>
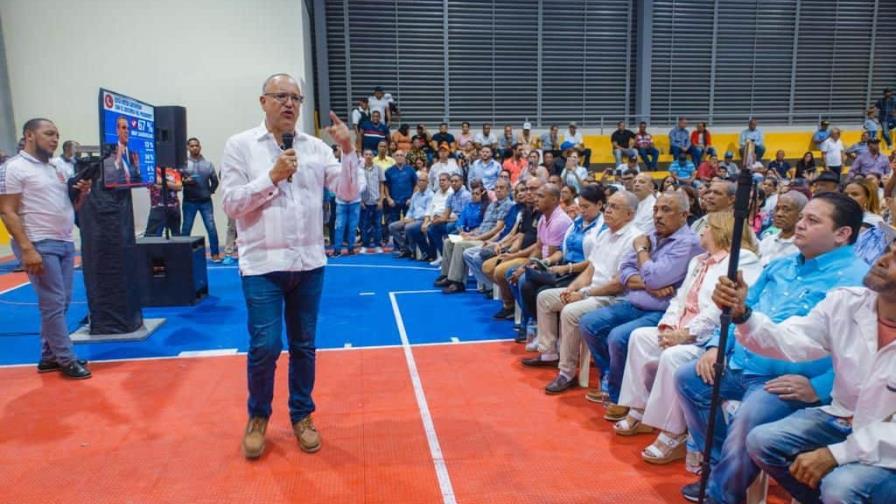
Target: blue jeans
<point>517,292</point>
<point>733,471</point>
<point>54,294</point>
<point>606,332</point>
<point>206,210</point>
<point>699,152</point>
<point>371,226</point>
<point>694,152</point>
<point>774,446</point>
<point>347,215</point>
<point>649,155</point>
<point>437,233</point>
<point>474,261</point>
<point>417,239</point>
<point>618,153</point>
<point>885,131</point>
<point>292,297</point>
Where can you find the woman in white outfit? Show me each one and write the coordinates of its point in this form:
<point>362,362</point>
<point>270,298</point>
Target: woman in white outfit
<point>655,353</point>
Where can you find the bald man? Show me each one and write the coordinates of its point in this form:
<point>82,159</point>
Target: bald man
<point>274,196</point>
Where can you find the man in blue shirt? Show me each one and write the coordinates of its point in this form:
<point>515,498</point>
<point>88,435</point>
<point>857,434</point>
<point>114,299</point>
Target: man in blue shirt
<point>373,132</point>
<point>683,170</point>
<point>415,214</point>
<point>821,134</point>
<point>400,181</point>
<point>771,389</point>
<point>485,169</point>
<point>680,141</point>
<point>752,135</point>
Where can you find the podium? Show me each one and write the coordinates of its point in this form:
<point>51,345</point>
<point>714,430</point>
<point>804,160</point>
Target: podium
<point>171,272</point>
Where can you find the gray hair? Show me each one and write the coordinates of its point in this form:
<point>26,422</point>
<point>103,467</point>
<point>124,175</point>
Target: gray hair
<point>797,198</point>
<point>630,199</point>
<point>730,188</point>
<point>681,197</point>
<point>276,76</point>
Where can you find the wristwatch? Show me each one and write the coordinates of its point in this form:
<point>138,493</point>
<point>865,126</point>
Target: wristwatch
<point>642,249</point>
<point>743,318</point>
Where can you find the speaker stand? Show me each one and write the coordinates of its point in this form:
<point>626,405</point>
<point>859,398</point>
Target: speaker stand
<point>150,325</point>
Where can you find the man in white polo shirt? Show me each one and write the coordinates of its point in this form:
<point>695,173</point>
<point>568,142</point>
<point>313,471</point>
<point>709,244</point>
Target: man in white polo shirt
<point>274,196</point>
<point>36,209</point>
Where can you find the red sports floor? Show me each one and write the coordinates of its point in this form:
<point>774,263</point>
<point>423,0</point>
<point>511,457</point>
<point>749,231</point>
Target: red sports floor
<point>168,431</point>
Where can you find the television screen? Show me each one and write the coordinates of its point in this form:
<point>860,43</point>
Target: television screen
<point>127,137</point>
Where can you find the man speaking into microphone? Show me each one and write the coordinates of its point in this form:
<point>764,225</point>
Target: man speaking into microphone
<point>274,195</point>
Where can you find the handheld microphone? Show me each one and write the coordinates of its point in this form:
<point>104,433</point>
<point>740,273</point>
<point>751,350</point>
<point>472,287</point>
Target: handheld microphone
<point>286,145</point>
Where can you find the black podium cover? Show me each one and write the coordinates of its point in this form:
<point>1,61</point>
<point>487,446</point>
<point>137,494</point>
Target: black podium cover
<point>109,261</point>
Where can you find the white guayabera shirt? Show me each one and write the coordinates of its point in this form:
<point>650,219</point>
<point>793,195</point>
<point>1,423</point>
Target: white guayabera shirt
<point>280,226</point>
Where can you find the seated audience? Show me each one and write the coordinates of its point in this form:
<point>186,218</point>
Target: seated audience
<point>527,140</point>
<point>533,169</point>
<point>655,353</point>
<point>465,138</point>
<point>577,244</point>
<point>642,187</point>
<point>443,137</point>
<point>770,389</point>
<point>752,136</point>
<point>449,224</point>
<point>828,181</point>
<point>729,165</point>
<point>515,163</point>
<point>574,137</point>
<point>437,212</point>
<point>718,197</point>
<point>505,142</point>
<point>680,142</point>
<point>844,451</point>
<point>780,165</point>
<point>872,161</point>
<point>597,286</point>
<point>550,141</point>
<point>701,141</point>
<point>419,203</point>
<point>650,273</point>
<point>709,169</point>
<point>486,138</point>
<point>683,170</point>
<point>454,271</point>
<point>573,174</point>
<point>785,216</point>
<point>485,169</point>
<point>805,167</point>
<point>622,142</point>
<point>443,164</point>
<point>646,149</point>
<point>569,201</point>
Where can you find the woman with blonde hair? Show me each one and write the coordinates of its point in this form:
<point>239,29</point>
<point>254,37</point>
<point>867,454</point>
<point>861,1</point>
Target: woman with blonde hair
<point>655,353</point>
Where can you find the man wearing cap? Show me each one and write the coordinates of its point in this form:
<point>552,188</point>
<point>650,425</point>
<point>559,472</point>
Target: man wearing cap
<point>575,136</point>
<point>380,102</point>
<point>886,108</point>
<point>527,140</point>
<point>821,134</point>
<point>828,181</point>
<point>444,137</point>
<point>622,141</point>
<point>871,161</point>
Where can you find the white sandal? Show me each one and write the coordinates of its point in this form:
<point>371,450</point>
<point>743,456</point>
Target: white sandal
<point>666,449</point>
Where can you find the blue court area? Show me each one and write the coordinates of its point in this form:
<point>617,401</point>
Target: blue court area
<point>356,311</point>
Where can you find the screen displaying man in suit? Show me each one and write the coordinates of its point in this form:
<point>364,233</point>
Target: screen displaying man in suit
<point>122,167</point>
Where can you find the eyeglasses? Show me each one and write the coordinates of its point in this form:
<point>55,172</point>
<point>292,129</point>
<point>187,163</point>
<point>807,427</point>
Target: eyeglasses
<point>282,98</point>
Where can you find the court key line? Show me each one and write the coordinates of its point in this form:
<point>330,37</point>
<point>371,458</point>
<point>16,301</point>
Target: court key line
<point>435,450</point>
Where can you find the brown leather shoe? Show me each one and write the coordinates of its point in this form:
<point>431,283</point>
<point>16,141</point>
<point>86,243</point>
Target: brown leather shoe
<point>615,412</point>
<point>253,439</point>
<point>306,433</point>
<point>596,395</point>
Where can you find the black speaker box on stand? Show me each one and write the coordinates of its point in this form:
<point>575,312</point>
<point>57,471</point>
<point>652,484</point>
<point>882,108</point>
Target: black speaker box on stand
<point>171,136</point>
<point>171,272</point>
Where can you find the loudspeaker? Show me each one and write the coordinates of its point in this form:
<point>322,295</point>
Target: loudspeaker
<point>171,136</point>
<point>171,272</point>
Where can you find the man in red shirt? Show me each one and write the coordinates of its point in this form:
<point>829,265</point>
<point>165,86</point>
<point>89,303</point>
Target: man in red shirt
<point>708,169</point>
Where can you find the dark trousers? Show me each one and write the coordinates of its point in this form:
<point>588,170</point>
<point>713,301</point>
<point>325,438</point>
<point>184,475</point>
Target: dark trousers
<point>161,218</point>
<point>293,298</point>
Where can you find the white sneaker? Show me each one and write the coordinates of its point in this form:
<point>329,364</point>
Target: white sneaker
<point>363,250</point>
<point>378,250</point>
<point>437,262</point>
<point>532,346</point>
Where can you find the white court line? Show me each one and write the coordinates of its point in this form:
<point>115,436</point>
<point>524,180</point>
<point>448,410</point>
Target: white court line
<point>217,352</point>
<point>367,293</point>
<point>435,450</point>
<point>14,288</point>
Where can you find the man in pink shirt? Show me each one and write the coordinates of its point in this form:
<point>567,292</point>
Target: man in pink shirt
<point>552,227</point>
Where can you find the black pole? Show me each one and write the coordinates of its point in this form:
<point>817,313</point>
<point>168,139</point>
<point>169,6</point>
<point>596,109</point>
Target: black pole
<point>741,212</point>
